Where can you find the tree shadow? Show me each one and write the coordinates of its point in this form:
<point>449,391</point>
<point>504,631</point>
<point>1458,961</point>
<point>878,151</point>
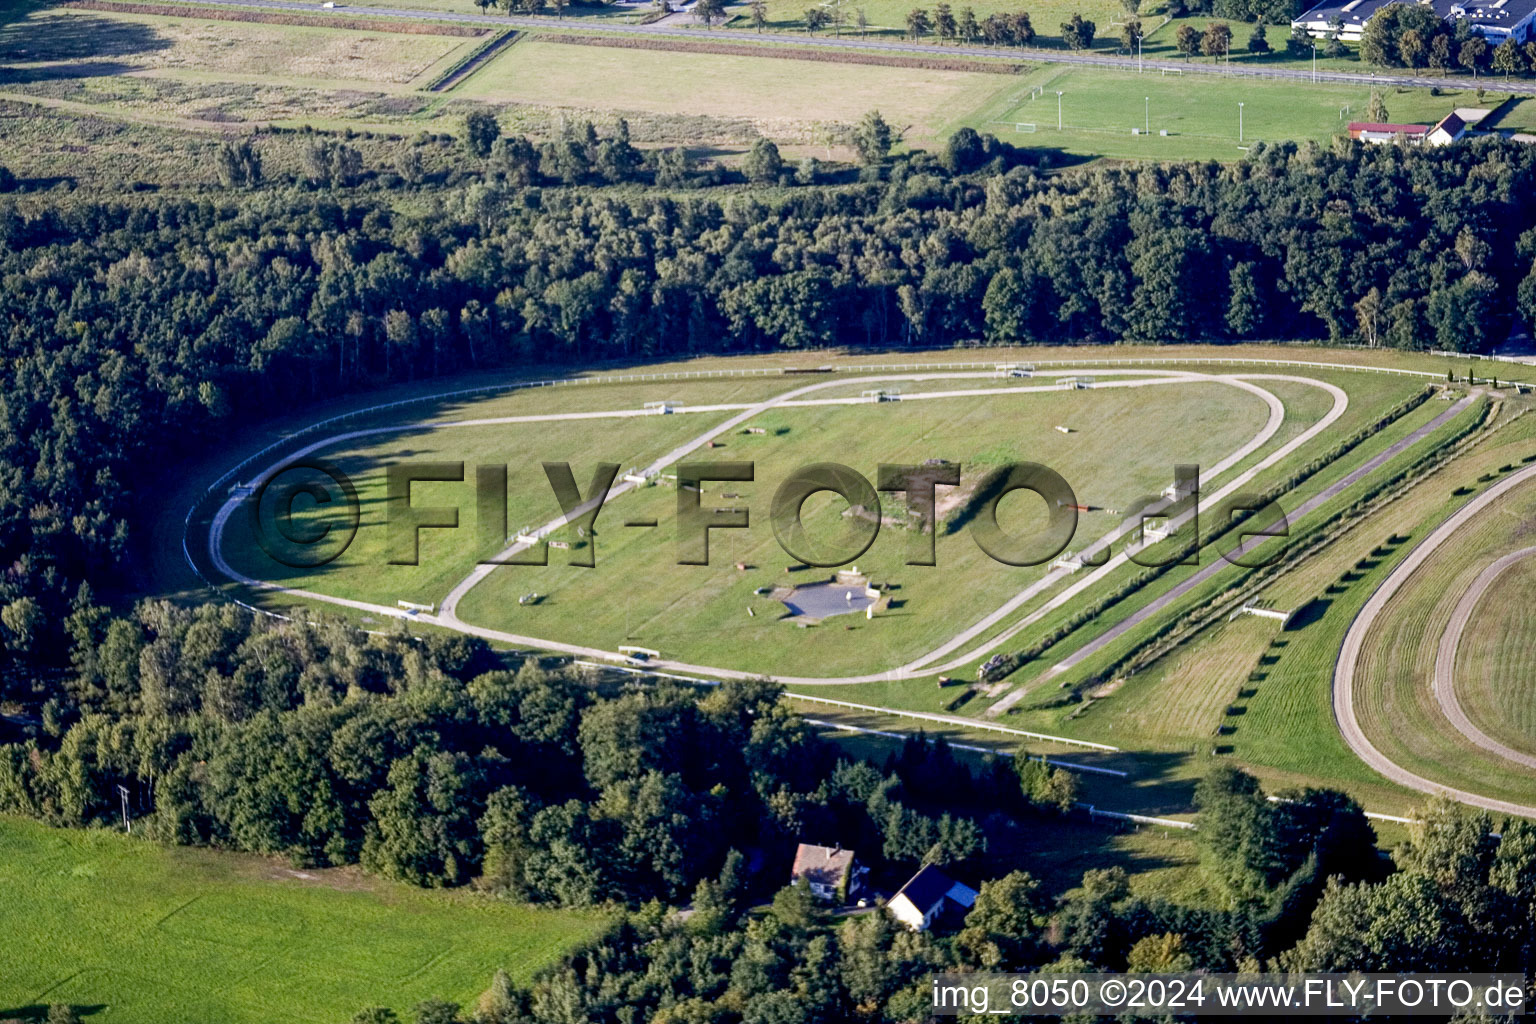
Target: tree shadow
<point>73,46</point>
<point>37,1012</point>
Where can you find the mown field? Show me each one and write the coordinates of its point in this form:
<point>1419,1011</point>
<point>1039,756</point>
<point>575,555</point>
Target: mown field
<point>782,96</point>
<point>134,933</point>
<point>1495,680</point>
<point>1395,700</point>
<point>701,614</point>
<point>1099,108</point>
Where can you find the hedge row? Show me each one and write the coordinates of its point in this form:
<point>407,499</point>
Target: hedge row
<point>1322,536</point>
<point>401,26</point>
<point>1013,662</point>
<point>461,68</point>
<point>787,53</point>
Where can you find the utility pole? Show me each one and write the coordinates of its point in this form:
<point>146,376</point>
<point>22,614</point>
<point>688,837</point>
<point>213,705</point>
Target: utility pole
<point>122,791</point>
<point>1314,63</point>
<point>1139,38</point>
<point>1239,122</point>
<point>1058,110</point>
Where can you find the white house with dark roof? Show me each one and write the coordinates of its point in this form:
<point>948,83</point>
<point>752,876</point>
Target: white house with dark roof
<point>927,896</point>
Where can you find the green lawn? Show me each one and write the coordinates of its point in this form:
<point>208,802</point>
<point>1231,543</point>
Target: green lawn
<point>136,933</point>
<point>1125,443</point>
<point>1099,108</point>
<point>1494,677</point>
<point>1395,703</point>
<point>445,556</point>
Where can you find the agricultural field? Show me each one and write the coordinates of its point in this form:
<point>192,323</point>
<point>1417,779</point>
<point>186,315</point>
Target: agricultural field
<point>786,98</point>
<point>1099,108</point>
<point>140,934</point>
<point>88,44</point>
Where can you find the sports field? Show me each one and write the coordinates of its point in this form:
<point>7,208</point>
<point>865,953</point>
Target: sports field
<point>1099,108</point>
<point>135,933</point>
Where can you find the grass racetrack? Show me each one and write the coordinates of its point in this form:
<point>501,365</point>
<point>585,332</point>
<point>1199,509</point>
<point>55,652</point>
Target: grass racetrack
<point>1124,445</point>
<point>151,934</point>
<point>1495,672</point>
<point>1170,717</point>
<point>1394,698</point>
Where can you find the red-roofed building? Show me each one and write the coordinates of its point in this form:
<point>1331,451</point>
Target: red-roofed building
<point>1381,132</point>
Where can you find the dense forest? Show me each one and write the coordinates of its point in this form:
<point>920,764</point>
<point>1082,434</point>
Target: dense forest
<point>427,761</point>
<point>430,761</point>
<point>135,327</point>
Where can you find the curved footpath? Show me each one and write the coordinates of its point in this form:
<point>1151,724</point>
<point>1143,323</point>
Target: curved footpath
<point>701,35</point>
<point>1354,641</point>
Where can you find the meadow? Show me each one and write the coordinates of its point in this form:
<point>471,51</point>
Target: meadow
<point>135,933</point>
<point>786,98</point>
<point>86,44</point>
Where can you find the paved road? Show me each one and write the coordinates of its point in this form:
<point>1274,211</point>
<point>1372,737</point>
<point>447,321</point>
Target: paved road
<point>1205,573</point>
<point>1354,640</point>
<point>1445,661</point>
<point>672,30</point>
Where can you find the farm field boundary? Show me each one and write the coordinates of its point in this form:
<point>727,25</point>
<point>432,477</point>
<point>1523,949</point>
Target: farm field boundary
<point>789,51</point>
<point>224,13</point>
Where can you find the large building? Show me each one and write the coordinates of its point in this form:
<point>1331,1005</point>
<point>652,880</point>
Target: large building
<point>1495,20</point>
<point>1447,130</point>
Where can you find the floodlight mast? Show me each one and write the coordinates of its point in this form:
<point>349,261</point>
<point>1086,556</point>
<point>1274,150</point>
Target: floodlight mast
<point>1058,110</point>
<point>1239,122</point>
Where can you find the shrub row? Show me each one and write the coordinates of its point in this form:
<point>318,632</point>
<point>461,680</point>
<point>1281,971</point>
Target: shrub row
<point>1012,662</point>
<point>787,53</point>
<point>401,26</point>
<point>1326,533</point>
<point>464,65</point>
